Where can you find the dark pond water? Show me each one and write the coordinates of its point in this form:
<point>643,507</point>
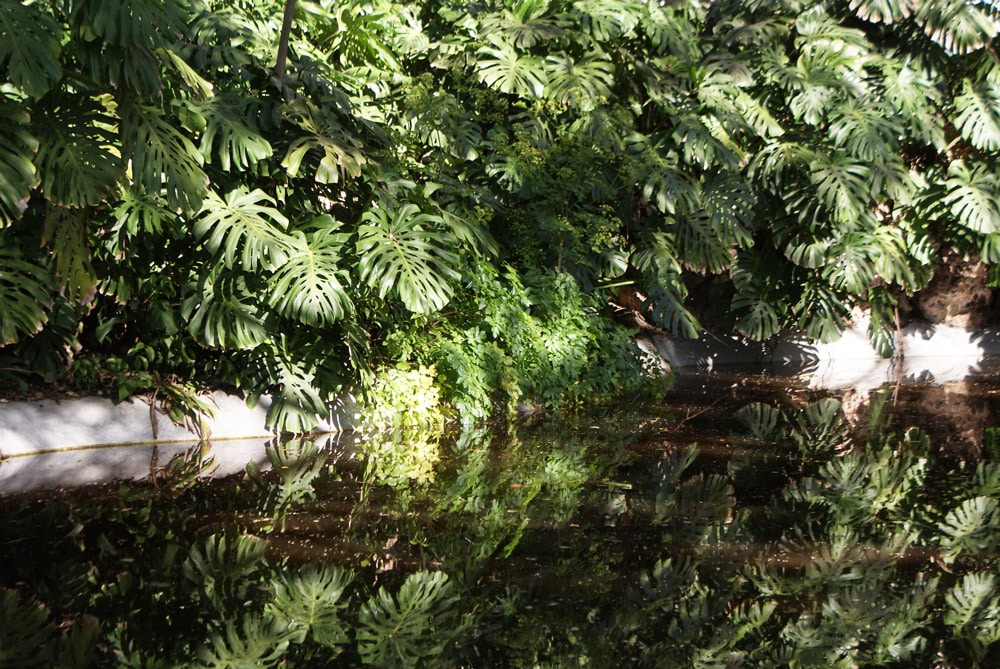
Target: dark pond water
<point>741,520</point>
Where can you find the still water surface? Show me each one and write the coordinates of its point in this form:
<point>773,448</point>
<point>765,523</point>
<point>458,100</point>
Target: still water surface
<point>742,520</point>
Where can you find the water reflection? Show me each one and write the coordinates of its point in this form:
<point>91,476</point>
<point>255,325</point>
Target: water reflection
<point>743,526</point>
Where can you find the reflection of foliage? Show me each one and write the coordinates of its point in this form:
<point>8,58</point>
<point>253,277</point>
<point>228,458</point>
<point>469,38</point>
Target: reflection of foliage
<point>599,540</point>
<point>417,622</point>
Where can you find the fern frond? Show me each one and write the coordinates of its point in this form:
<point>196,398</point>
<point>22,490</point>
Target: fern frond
<point>24,631</point>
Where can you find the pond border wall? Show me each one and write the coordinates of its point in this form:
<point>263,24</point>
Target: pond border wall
<point>74,441</point>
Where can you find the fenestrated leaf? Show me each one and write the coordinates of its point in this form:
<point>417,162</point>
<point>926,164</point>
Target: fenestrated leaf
<point>957,25</point>
<point>66,235</point>
<point>222,313</point>
<point>24,631</point>
<point>502,68</point>
<point>30,45</point>
<point>243,226</point>
<point>662,176</point>
<point>401,252</point>
<point>822,315</point>
<point>341,155</point>
<point>309,286</point>
<point>882,11</point>
<point>973,610</point>
<point>78,158</point>
<point>842,185</point>
<point>587,79</point>
<point>256,642</point>
<point>850,264</point>
<point>17,167</point>
<point>978,119</point>
<point>130,22</point>
<point>970,196</point>
<point>228,135</point>
<point>407,627</point>
<point>313,598</point>
<point>163,159</point>
<point>24,296</point>
<point>972,526</point>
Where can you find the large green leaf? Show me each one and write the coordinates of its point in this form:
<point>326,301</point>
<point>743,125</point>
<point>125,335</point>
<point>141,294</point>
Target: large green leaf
<point>222,313</point>
<point>978,119</point>
<point>30,47</point>
<point>313,598</point>
<point>585,81</point>
<point>242,226</point>
<point>24,631</point>
<point>17,167</point>
<point>341,155</point>
<point>227,135</point>
<point>144,23</point>
<point>958,25</point>
<point>67,236</point>
<point>310,285</point>
<point>24,296</point>
<point>842,185</point>
<point>970,196</point>
<point>164,160</point>
<point>407,628</point>
<point>501,67</point>
<point>402,253</point>
<point>256,642</point>
<point>78,158</point>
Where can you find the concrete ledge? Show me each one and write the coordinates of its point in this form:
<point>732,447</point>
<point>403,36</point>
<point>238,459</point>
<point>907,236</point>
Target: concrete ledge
<point>928,352</point>
<point>55,425</point>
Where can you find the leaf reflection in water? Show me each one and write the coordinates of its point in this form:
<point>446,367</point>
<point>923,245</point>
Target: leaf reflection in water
<point>787,534</point>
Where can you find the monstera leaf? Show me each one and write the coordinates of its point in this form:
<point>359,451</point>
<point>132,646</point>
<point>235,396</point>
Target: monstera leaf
<point>310,285</point>
<point>243,226</point>
<point>30,46</point>
<point>23,631</point>
<point>78,158</point>
<point>17,167</point>
<point>24,296</point>
<point>411,627</point>
<point>978,117</point>
<point>256,642</point>
<point>164,160</point>
<point>403,254</point>
<point>312,598</point>
<point>503,68</point>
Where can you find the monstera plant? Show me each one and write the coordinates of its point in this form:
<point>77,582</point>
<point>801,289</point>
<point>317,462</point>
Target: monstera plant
<point>173,206</point>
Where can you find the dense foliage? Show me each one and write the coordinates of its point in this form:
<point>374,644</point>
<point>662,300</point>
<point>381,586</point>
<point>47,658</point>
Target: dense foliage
<point>462,186</point>
<point>798,543</point>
